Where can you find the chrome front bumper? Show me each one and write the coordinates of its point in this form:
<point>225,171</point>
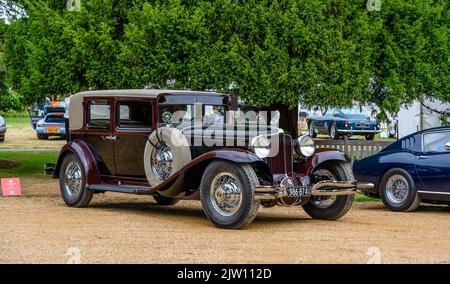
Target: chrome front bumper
<point>351,131</point>
<point>323,188</point>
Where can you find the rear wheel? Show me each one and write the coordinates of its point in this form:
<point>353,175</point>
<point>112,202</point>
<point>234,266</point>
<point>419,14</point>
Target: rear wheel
<point>334,133</point>
<point>72,182</point>
<point>161,200</point>
<point>398,192</point>
<point>370,137</point>
<point>228,194</point>
<point>330,207</point>
<point>312,130</point>
<point>42,136</point>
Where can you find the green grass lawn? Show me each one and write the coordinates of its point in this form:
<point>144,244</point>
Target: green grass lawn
<point>363,198</point>
<point>31,164</point>
<point>17,122</point>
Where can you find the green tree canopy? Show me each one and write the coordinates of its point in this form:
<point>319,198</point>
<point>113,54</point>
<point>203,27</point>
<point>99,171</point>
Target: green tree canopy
<point>271,53</point>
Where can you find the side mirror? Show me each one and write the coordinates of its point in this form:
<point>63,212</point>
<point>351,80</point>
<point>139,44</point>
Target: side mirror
<point>447,146</point>
<point>316,108</point>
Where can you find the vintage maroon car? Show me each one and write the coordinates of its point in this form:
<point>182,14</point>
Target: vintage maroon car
<point>176,145</point>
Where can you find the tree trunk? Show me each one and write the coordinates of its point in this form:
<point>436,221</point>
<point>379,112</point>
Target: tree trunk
<point>288,118</point>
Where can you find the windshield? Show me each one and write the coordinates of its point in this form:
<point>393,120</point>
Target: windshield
<point>354,111</point>
<point>177,114</point>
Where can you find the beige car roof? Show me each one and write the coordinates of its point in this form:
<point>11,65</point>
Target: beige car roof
<point>76,101</point>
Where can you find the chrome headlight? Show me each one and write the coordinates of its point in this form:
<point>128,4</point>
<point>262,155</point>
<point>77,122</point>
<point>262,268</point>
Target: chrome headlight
<point>304,146</point>
<point>261,146</point>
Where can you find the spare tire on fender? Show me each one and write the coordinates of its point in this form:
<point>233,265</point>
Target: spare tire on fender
<point>166,152</point>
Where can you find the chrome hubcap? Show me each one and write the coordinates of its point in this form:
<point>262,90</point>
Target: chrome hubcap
<point>324,201</point>
<point>226,195</point>
<point>73,179</point>
<point>397,189</point>
<point>162,159</point>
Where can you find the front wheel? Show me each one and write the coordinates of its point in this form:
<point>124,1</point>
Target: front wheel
<point>312,131</point>
<point>72,182</point>
<point>334,133</point>
<point>330,207</point>
<point>227,193</point>
<point>2,138</point>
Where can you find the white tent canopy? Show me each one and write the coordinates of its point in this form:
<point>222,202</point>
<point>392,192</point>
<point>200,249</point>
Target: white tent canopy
<point>418,117</point>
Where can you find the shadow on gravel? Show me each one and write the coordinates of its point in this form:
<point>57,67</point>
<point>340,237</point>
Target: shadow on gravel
<point>183,211</point>
<point>422,208</point>
<point>146,207</point>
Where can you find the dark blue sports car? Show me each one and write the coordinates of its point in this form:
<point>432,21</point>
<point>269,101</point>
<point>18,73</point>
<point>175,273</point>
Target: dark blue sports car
<point>413,169</point>
<point>343,122</point>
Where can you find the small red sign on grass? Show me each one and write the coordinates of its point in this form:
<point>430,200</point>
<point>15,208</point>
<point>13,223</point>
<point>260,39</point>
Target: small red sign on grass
<point>11,187</point>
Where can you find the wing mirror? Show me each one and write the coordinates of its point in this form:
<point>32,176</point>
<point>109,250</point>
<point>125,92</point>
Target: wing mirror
<point>447,146</point>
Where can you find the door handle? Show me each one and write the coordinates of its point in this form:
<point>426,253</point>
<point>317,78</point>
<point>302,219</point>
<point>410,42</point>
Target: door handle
<point>422,157</point>
<point>111,137</point>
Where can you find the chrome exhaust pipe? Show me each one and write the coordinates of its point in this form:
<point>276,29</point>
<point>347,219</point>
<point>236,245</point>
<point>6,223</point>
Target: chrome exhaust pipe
<point>329,188</point>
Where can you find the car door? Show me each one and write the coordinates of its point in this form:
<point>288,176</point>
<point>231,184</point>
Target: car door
<point>99,132</point>
<point>433,164</point>
<point>133,126</point>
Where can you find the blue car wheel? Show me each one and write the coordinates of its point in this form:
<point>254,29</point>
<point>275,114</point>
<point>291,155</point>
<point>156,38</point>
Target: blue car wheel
<point>398,192</point>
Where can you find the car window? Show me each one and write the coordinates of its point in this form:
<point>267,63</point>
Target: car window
<point>435,141</point>
<point>99,114</point>
<point>134,114</point>
<point>329,112</point>
<point>214,114</point>
<point>354,110</point>
<point>54,119</point>
<point>175,114</point>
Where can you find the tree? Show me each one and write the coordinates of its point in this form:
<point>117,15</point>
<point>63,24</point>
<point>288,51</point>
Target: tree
<point>272,53</point>
<point>412,56</point>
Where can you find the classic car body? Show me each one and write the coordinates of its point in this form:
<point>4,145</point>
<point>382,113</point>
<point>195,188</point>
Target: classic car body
<point>122,141</point>
<point>3,129</point>
<point>413,169</point>
<point>52,124</point>
<point>343,122</point>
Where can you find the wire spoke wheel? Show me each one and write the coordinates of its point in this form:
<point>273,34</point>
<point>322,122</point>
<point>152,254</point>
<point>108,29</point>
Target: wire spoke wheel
<point>324,201</point>
<point>73,179</point>
<point>397,189</point>
<point>226,195</point>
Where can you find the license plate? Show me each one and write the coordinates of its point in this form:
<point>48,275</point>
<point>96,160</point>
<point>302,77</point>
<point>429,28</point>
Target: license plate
<point>52,130</point>
<point>300,191</point>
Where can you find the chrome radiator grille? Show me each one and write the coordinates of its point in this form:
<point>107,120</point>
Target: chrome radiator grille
<point>281,163</point>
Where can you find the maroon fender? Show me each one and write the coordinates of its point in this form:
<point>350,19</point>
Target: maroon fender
<point>321,156</point>
<point>81,149</point>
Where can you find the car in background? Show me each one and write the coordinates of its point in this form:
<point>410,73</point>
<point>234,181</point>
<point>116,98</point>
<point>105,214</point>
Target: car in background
<point>344,122</point>
<point>3,129</point>
<point>413,169</point>
<point>53,124</point>
<point>39,111</point>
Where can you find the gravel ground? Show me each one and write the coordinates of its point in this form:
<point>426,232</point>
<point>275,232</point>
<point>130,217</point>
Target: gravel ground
<point>39,228</point>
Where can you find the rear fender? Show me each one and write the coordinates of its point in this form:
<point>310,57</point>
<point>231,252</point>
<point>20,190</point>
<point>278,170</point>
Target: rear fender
<point>81,149</point>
